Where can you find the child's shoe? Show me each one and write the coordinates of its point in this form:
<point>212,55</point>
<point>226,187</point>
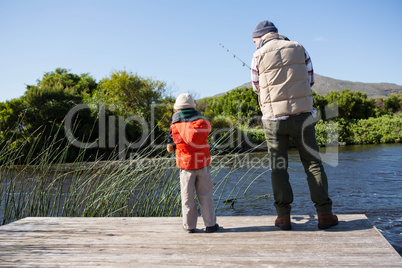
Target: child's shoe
<point>190,231</point>
<point>212,229</point>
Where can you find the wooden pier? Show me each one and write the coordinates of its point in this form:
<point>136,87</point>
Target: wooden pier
<point>242,241</point>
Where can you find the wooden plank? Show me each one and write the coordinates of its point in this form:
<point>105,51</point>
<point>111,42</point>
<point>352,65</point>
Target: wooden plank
<point>248,241</point>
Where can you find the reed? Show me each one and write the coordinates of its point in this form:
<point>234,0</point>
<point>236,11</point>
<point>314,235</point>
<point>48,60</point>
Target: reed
<point>147,185</point>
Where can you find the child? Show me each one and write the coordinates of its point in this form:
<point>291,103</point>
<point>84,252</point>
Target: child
<point>188,138</point>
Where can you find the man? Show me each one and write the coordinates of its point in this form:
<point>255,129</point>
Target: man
<point>282,76</point>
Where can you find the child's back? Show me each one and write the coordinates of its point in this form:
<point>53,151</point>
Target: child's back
<point>189,133</point>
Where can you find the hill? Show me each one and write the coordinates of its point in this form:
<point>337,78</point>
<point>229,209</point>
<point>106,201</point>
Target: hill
<point>324,84</point>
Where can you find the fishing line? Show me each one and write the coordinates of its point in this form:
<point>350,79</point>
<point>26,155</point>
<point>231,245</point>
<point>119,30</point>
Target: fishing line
<point>234,56</point>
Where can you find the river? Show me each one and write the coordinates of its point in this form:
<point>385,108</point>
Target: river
<point>366,180</point>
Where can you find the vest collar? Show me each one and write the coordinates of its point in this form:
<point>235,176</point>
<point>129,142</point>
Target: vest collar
<point>271,36</point>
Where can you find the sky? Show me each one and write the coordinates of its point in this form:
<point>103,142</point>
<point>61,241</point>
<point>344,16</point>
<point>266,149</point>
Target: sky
<point>178,42</point>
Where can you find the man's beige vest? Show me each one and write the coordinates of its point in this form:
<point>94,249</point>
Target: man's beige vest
<point>283,79</point>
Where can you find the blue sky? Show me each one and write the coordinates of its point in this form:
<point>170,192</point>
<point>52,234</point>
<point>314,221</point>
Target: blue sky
<point>178,41</point>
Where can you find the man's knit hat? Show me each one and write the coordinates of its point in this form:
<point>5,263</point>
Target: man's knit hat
<point>263,28</point>
<point>184,101</point>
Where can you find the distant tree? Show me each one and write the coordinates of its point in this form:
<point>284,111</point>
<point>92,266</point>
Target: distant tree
<point>38,116</point>
<point>11,112</point>
<point>352,105</point>
<point>48,102</point>
<point>379,102</point>
<point>240,103</point>
<point>128,93</point>
<point>163,112</point>
<point>48,105</point>
<point>393,103</point>
<point>82,84</point>
<point>320,102</point>
<point>202,104</point>
<point>46,110</point>
<point>12,131</point>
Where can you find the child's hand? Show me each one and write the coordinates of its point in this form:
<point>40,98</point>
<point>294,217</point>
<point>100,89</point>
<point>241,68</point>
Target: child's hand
<point>170,148</point>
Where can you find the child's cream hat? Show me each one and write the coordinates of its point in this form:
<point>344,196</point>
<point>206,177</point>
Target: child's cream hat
<point>184,101</point>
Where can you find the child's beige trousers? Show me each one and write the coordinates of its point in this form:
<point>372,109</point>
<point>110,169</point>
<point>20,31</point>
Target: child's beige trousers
<point>199,181</point>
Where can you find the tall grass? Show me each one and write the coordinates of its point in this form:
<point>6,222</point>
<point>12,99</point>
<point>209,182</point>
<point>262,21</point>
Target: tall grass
<point>147,185</point>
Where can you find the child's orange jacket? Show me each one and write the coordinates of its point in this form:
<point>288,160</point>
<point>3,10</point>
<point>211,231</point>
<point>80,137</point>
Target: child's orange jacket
<point>189,132</point>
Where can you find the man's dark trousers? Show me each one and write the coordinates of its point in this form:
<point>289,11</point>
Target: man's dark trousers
<point>301,129</point>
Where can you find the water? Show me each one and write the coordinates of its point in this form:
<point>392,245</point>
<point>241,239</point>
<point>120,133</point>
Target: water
<point>367,181</point>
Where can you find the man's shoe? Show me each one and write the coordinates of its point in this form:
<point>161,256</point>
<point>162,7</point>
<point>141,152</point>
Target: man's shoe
<point>283,223</point>
<point>212,229</point>
<point>190,231</point>
<point>326,221</point>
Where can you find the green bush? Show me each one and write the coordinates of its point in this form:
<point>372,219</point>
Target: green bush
<point>255,135</point>
<point>385,129</point>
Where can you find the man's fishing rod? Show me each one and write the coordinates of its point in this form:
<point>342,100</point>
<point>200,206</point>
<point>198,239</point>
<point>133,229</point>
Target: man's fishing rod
<point>234,56</point>
<point>244,64</point>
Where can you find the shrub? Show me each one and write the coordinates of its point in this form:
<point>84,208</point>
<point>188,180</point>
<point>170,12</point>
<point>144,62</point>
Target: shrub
<point>385,129</point>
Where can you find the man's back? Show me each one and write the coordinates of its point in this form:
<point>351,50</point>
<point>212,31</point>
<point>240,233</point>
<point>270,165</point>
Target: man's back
<point>283,78</point>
